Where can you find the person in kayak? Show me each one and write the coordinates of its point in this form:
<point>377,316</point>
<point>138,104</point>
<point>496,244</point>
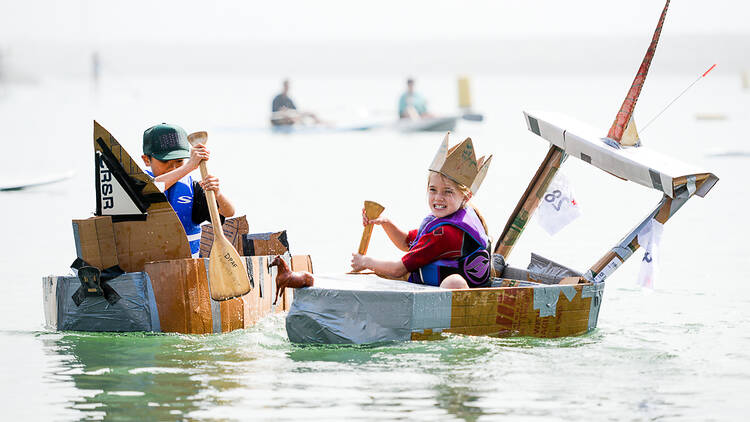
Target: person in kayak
<point>411,104</point>
<point>171,159</point>
<point>451,248</point>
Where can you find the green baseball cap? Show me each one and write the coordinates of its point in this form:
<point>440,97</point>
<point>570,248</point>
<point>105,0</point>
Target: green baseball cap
<point>166,142</point>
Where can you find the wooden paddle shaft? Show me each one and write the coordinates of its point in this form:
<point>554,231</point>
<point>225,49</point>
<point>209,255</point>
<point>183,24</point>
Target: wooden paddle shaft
<point>212,207</point>
<point>365,242</point>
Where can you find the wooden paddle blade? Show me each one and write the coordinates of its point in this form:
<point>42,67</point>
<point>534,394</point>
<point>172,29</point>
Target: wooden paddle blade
<point>196,138</point>
<point>226,271</point>
<point>372,211</point>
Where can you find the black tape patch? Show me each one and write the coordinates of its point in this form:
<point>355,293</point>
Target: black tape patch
<point>534,125</point>
<point>655,179</point>
<point>248,246</point>
<point>585,158</point>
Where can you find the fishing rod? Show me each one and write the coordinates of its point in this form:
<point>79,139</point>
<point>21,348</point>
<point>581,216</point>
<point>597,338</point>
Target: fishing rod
<point>678,97</point>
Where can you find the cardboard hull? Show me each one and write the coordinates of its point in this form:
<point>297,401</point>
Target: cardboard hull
<point>169,296</point>
<point>358,309</point>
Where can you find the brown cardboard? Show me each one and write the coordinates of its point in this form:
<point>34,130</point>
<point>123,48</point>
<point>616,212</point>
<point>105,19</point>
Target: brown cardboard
<point>95,241</point>
<point>181,290</point>
<point>160,237</point>
<point>233,228</point>
<point>260,244</point>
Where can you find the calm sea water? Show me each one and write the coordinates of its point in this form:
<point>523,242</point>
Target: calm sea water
<point>680,352</point>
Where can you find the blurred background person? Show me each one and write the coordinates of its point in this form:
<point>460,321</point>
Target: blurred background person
<point>412,105</point>
<point>284,112</point>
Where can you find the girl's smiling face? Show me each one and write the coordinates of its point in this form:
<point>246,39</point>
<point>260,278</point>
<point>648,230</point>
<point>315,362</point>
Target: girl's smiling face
<point>443,195</point>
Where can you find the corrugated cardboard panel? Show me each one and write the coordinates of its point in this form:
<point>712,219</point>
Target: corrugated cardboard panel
<point>160,237</point>
<point>233,228</point>
<point>260,244</point>
<point>182,297</point>
<point>95,241</point>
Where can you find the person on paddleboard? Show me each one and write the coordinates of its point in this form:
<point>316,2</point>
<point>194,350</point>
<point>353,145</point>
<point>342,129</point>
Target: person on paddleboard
<point>171,159</point>
<point>451,248</point>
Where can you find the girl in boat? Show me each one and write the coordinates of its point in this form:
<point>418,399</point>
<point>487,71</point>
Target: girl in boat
<point>451,248</point>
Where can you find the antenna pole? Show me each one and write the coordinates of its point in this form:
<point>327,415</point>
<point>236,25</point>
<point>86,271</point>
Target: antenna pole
<point>678,97</point>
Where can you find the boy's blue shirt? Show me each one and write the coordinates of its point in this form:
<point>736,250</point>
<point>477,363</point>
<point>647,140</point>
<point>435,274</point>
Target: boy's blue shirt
<point>181,196</point>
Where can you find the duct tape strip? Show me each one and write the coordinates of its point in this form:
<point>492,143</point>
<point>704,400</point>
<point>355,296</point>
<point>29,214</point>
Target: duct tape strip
<point>655,179</point>
<point>545,300</point>
<point>691,185</point>
<point>215,305</point>
<point>77,238</point>
<point>249,269</point>
<point>153,310</point>
<point>60,298</point>
<point>431,310</point>
<point>608,269</point>
<point>596,293</point>
<point>262,279</point>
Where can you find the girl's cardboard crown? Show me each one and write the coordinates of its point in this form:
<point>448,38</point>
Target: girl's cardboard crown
<point>460,164</point>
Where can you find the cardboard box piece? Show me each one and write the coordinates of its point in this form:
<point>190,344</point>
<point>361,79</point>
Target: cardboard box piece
<point>233,228</point>
<point>95,241</point>
<point>265,244</point>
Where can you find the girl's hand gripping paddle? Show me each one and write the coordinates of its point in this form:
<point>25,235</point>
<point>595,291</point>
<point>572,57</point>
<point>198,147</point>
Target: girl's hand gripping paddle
<point>227,273</point>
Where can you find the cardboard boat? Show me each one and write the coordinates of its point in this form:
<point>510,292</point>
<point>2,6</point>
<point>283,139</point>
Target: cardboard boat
<point>146,279</point>
<point>544,300</point>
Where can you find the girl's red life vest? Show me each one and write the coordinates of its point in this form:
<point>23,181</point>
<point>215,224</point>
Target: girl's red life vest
<point>473,265</point>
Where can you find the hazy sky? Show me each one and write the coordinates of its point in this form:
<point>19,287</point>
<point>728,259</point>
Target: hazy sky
<point>194,21</point>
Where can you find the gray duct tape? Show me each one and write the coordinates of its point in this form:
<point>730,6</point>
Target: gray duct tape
<point>569,292</point>
<point>545,299</point>
<point>155,322</point>
<point>589,276</point>
<point>49,293</point>
<point>691,185</point>
<point>596,293</point>
<point>622,252</point>
<point>249,269</point>
<point>679,201</point>
<point>261,273</point>
<point>431,310</point>
<point>77,237</point>
<point>215,305</point>
<point>60,295</point>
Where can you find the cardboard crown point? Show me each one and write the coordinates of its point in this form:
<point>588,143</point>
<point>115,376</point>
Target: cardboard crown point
<point>460,164</point>
<point>196,138</point>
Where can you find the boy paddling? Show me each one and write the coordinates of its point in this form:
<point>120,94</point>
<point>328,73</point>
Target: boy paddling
<point>171,158</point>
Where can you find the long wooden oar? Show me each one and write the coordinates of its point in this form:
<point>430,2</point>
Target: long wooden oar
<point>372,211</point>
<point>226,270</point>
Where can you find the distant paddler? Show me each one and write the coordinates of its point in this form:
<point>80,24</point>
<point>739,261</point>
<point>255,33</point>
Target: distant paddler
<point>412,105</point>
<point>285,113</point>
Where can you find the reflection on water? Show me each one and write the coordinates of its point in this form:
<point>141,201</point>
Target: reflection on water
<point>140,376</point>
